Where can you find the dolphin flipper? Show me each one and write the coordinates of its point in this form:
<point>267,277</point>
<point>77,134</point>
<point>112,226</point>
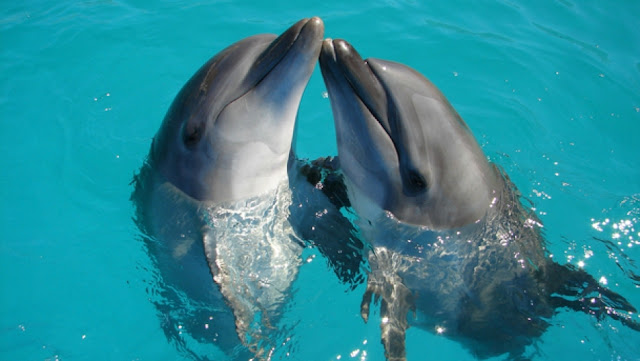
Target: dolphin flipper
<point>577,290</point>
<point>221,276</point>
<point>320,220</point>
<point>396,303</point>
<point>253,257</point>
<point>323,173</point>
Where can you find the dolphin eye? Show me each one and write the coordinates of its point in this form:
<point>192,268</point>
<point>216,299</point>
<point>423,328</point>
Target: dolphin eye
<point>191,136</point>
<point>417,183</point>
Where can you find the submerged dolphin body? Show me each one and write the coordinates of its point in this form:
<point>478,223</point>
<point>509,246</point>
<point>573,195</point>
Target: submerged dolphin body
<point>450,241</point>
<point>214,196</point>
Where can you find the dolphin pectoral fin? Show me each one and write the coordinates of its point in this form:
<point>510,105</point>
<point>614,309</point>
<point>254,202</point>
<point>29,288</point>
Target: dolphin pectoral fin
<point>366,304</point>
<point>374,288</point>
<point>598,309</point>
<point>320,186</point>
<point>325,171</point>
<point>393,333</point>
<point>575,289</point>
<point>231,291</point>
<point>397,301</point>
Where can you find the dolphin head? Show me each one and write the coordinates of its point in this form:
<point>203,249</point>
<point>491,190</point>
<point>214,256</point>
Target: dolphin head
<point>402,146</point>
<point>228,133</point>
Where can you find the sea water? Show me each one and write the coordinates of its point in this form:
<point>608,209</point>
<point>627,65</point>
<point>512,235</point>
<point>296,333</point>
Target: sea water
<point>551,89</point>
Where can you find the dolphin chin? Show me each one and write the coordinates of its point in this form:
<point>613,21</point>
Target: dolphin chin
<point>450,241</point>
<point>212,200</point>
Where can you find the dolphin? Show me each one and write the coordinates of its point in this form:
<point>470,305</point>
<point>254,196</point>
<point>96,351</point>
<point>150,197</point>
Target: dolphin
<point>452,249</point>
<point>213,197</point>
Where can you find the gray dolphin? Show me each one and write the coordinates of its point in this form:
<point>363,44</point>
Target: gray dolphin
<point>450,241</point>
<point>213,197</point>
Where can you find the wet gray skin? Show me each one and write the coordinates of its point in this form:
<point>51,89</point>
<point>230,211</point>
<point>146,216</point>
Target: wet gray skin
<point>401,144</point>
<point>452,249</point>
<point>228,133</point>
<point>216,179</point>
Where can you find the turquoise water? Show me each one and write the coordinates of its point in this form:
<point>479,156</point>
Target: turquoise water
<point>551,91</point>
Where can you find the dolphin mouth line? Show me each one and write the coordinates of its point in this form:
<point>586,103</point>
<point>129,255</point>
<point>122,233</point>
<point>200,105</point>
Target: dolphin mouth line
<point>343,69</point>
<point>280,55</point>
<point>387,129</point>
<point>367,105</point>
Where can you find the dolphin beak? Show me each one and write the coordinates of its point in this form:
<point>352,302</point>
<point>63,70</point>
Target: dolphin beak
<point>308,31</point>
<point>340,59</point>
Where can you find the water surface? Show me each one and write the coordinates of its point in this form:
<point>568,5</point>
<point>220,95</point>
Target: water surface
<point>550,89</point>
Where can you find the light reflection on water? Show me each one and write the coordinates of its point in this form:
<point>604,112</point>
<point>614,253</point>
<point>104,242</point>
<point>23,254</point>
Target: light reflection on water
<point>551,85</point>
